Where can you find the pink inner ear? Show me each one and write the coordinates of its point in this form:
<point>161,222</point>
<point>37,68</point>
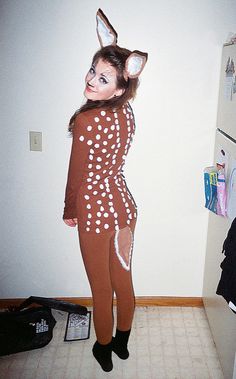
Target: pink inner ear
<point>135,64</point>
<point>106,33</point>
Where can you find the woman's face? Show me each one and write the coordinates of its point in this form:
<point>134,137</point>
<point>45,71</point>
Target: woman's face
<point>101,82</point>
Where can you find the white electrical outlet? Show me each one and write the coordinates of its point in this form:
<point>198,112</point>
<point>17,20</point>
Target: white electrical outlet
<point>35,141</point>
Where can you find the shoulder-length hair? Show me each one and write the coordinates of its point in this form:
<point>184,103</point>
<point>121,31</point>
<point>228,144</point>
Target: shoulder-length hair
<point>117,57</point>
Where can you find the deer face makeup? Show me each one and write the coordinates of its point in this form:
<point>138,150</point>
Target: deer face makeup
<point>101,82</point>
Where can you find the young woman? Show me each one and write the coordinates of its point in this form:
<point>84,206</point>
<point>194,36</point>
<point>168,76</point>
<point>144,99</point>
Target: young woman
<point>97,198</point>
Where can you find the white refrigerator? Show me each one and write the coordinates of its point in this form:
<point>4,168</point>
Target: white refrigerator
<point>221,318</point>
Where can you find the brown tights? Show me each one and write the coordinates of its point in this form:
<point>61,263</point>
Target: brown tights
<point>107,275</point>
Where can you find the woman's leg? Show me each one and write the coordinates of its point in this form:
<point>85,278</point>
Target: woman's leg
<point>95,251</point>
<point>121,277</point>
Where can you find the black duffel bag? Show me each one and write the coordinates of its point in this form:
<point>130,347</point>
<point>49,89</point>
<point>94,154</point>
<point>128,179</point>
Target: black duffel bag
<point>27,328</point>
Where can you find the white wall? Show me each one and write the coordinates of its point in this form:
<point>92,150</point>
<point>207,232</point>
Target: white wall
<point>46,48</point>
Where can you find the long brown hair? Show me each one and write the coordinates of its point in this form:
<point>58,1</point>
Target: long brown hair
<point>117,57</point>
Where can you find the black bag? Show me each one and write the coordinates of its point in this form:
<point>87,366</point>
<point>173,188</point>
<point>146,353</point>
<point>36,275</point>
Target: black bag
<point>25,328</point>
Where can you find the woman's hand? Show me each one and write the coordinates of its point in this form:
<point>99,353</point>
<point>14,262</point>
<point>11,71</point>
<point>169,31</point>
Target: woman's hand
<point>71,222</point>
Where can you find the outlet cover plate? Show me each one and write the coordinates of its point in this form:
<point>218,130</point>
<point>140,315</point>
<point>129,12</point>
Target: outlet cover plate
<point>35,141</point>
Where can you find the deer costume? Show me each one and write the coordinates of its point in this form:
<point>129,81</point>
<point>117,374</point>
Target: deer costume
<point>98,198</point>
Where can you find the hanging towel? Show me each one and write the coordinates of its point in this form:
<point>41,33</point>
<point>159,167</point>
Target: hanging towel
<point>227,283</point>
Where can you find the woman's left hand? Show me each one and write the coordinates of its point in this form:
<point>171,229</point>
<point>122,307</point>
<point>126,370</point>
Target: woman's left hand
<point>71,222</point>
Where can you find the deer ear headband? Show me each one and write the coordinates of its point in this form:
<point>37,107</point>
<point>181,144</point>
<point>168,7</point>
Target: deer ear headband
<point>107,36</point>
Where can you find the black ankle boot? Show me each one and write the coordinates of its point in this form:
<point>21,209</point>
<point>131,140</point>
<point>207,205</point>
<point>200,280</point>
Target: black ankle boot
<point>119,344</point>
<point>102,353</point>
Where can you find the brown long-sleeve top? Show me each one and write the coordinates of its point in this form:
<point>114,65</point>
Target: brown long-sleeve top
<point>96,191</point>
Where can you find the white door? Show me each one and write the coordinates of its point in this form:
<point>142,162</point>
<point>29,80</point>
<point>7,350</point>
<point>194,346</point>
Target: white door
<point>222,320</point>
<point>226,118</point>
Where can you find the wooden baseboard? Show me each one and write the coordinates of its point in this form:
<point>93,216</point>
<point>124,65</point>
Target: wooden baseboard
<point>140,301</point>
<point>168,301</point>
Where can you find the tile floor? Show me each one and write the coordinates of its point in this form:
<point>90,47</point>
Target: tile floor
<point>165,343</point>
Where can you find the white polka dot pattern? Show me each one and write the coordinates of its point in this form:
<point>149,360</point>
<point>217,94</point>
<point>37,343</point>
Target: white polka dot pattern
<point>103,201</point>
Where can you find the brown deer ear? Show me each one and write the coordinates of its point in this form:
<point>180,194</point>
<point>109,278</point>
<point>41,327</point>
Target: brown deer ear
<point>105,31</point>
<point>135,63</point>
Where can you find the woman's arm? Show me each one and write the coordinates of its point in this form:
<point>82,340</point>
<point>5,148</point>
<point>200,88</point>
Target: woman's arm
<point>82,140</point>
